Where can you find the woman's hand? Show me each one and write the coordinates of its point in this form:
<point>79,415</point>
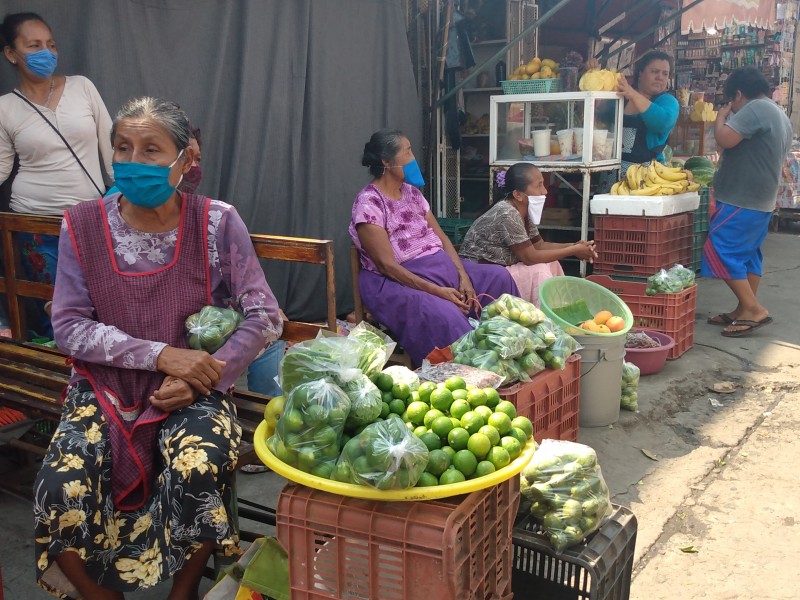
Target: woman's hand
<point>723,112</point>
<point>173,394</point>
<point>465,287</point>
<point>197,368</point>
<point>585,251</point>
<point>625,89</point>
<point>455,297</point>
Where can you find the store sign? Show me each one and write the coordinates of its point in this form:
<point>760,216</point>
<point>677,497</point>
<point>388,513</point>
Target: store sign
<point>718,14</point>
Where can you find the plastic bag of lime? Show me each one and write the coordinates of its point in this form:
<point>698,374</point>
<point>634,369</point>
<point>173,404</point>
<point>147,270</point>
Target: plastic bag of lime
<point>376,348</point>
<point>555,356</point>
<point>385,455</point>
<point>570,497</point>
<point>513,308</point>
<point>629,400</point>
<point>308,434</point>
<point>211,327</point>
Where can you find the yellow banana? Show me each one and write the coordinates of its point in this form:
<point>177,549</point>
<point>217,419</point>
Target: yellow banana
<point>646,191</point>
<point>675,185</point>
<point>667,191</point>
<point>669,175</point>
<point>631,176</point>
<point>614,189</point>
<point>693,187</point>
<point>623,189</point>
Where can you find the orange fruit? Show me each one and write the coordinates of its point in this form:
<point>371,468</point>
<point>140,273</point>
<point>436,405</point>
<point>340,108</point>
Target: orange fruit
<point>601,317</point>
<point>603,329</point>
<point>615,324</point>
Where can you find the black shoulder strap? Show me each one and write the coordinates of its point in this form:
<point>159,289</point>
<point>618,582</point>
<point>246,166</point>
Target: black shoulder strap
<point>63,139</point>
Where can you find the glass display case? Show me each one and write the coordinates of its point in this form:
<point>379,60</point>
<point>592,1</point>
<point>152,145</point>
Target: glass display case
<point>551,131</point>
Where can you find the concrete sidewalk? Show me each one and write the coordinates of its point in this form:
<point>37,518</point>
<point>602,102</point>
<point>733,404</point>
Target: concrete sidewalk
<point>723,482</point>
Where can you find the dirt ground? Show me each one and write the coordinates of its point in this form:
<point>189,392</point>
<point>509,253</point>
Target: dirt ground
<point>723,485</point>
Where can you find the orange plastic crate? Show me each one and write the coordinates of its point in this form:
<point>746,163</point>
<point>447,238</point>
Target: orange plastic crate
<point>672,314</point>
<point>455,548</point>
<point>641,246</point>
<point>551,401</point>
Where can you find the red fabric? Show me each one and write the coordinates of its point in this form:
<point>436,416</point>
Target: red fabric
<point>150,306</point>
<point>721,13</point>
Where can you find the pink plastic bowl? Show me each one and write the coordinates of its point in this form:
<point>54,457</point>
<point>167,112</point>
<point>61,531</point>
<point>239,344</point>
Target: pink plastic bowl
<point>650,360</point>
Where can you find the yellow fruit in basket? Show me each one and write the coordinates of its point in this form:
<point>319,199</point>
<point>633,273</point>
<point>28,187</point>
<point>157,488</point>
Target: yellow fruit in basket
<point>603,329</point>
<point>601,317</point>
<point>615,324</point>
<point>531,68</point>
<point>546,72</point>
<point>536,76</point>
<point>549,62</point>
<point>589,325</point>
<point>524,77</point>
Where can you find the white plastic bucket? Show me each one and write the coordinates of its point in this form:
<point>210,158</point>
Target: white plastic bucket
<point>601,379</point>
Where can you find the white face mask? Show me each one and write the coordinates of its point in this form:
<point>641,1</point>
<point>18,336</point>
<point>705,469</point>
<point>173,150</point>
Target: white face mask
<point>535,207</point>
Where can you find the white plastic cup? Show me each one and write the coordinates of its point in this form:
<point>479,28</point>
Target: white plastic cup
<point>578,140</point>
<point>599,144</point>
<point>565,139</point>
<point>541,142</point>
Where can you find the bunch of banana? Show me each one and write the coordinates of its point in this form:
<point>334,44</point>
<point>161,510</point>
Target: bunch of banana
<point>654,179</point>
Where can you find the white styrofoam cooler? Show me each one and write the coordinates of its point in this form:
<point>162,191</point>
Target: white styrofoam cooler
<point>644,206</point>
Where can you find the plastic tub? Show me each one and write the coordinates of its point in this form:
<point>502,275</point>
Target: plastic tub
<point>650,360</point>
<point>558,292</point>
<point>601,377</point>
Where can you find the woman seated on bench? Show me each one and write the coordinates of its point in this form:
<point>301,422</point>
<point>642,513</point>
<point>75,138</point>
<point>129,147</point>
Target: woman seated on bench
<point>135,486</point>
<point>412,281</point>
<point>506,234</point>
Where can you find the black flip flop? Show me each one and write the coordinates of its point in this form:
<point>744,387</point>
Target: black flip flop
<point>721,319</point>
<point>750,325</point>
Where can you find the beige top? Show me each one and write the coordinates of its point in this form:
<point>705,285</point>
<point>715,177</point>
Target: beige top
<point>50,180</point>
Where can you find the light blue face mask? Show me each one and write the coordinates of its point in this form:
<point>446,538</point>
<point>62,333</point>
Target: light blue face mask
<point>144,185</point>
<point>41,63</point>
<point>411,173</point>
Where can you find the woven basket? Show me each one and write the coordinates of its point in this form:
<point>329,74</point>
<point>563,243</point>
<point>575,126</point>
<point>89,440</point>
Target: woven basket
<point>531,86</point>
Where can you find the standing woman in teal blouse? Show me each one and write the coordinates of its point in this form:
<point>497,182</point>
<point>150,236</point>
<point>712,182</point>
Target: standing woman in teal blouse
<point>650,113</point>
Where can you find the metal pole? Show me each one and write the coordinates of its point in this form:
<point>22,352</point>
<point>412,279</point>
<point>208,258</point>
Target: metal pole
<point>535,25</point>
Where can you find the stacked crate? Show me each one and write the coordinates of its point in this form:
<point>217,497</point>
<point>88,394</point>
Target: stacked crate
<point>701,219</point>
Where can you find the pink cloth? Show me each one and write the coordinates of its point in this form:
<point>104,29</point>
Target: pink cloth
<point>404,221</point>
<point>529,277</point>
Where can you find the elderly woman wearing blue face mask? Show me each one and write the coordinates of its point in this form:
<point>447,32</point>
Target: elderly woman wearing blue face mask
<point>506,234</point>
<point>135,486</point>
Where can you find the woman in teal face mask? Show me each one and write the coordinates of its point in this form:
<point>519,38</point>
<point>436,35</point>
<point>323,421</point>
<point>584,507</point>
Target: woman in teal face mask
<point>136,486</point>
<point>58,128</point>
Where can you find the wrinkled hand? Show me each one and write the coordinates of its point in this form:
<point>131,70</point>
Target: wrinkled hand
<point>585,251</point>
<point>197,368</point>
<point>465,287</point>
<point>455,297</point>
<point>623,87</point>
<point>723,113</point>
<point>173,394</point>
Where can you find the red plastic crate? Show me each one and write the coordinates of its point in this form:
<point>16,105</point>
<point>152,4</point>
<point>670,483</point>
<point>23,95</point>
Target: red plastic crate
<point>672,314</point>
<point>455,548</point>
<point>551,401</point>
<point>640,246</point>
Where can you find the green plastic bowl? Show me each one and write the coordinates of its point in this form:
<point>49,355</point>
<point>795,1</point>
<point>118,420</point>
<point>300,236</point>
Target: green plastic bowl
<point>558,292</point>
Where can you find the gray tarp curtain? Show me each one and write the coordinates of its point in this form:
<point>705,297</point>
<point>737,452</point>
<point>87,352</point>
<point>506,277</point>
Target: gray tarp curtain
<point>286,93</point>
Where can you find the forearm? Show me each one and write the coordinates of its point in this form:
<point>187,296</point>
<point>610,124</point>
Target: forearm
<point>640,102</point>
<point>553,246</point>
<point>396,272</point>
<point>535,256</point>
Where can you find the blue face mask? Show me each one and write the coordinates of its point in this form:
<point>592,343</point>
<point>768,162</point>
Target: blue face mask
<point>41,63</point>
<point>412,174</point>
<point>144,185</point>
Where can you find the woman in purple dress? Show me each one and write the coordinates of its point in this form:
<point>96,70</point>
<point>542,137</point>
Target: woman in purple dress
<point>135,486</point>
<point>412,280</point>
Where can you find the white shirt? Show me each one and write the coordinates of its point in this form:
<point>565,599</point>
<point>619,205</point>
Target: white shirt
<point>50,180</point>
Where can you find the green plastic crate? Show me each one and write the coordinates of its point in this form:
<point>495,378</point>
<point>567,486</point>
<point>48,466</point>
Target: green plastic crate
<point>455,229</point>
<point>701,215</point>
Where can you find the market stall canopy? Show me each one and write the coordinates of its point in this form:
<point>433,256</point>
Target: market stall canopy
<point>719,14</point>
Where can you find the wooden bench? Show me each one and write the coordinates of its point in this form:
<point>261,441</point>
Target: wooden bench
<point>32,377</point>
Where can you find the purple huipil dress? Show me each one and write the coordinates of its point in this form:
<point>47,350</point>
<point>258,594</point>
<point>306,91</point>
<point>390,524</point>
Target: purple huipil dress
<point>419,321</point>
<point>150,305</point>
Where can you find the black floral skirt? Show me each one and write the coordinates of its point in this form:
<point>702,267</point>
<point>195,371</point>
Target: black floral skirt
<point>129,550</point>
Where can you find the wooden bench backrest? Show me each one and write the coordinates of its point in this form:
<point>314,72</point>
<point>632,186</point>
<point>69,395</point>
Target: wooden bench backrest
<point>274,247</point>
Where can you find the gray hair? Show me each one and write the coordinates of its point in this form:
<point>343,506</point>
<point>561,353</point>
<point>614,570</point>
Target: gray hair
<point>167,114</point>
<point>384,145</point>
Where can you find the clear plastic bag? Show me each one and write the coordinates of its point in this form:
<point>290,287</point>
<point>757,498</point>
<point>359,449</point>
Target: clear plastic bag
<point>570,497</point>
<point>471,376</point>
<point>334,357</point>
<point>508,338</point>
<point>547,331</point>
<point>639,339</point>
<point>532,364</point>
<point>376,349</point>
<point>513,308</point>
<point>687,276</point>
<point>663,282</point>
<point>365,402</point>
<point>464,343</point>
<point>556,355</point>
<point>401,374</point>
<point>309,432</point>
<point>629,400</point>
<point>211,327</point>
<point>385,455</point>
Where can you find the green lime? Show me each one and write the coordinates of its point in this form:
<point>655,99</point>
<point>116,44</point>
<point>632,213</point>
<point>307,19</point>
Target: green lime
<point>465,461</point>
<point>523,423</point>
<point>472,422</point>
<point>387,397</point>
<point>484,468</point>
<point>499,457</point>
<point>292,421</point>
<point>404,416</point>
<point>385,410</point>
<point>284,454</point>
<point>342,472</point>
<point>420,430</point>
<point>325,437</point>
<point>458,438</point>
<point>306,460</point>
<point>324,470</point>
<point>401,390</point>
<point>476,397</point>
<point>413,397</point>
<point>361,465</point>
<point>492,397</point>
<point>431,416</point>
<point>337,416</point>
<point>431,440</point>
<point>455,422</point>
<point>384,382</point>
<point>441,399</point>
<point>427,480</point>
<point>470,387</point>
<point>398,407</point>
<point>438,461</point>
<point>441,426</point>
<point>479,444</point>
<point>455,383</point>
<point>491,433</point>
<point>299,396</point>
<point>459,408</point>
<point>449,451</point>
<point>512,446</point>
<point>504,406</point>
<point>520,436</point>
<point>501,422</point>
<point>410,426</point>
<point>451,476</point>
<point>484,411</point>
<point>460,394</point>
<point>425,390</point>
<point>416,412</point>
